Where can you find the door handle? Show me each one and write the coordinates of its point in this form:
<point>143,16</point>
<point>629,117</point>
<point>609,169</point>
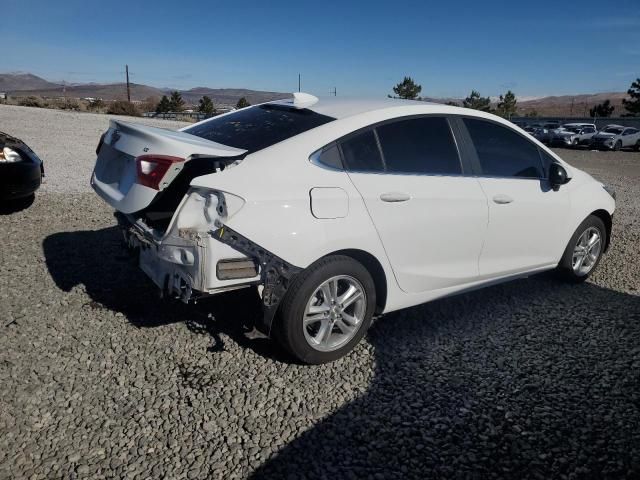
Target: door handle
<point>394,197</point>
<point>502,199</point>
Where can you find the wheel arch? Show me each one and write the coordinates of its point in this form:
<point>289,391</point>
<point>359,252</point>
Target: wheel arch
<point>375,268</point>
<point>608,223</point>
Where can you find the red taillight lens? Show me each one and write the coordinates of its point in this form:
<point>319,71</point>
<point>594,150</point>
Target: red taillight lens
<point>152,169</point>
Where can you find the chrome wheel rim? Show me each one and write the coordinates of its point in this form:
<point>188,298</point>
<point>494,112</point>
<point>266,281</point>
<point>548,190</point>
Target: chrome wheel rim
<point>587,251</point>
<point>334,313</point>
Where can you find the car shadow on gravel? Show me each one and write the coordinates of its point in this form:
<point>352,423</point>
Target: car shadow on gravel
<point>532,379</point>
<point>98,260</point>
<point>7,207</point>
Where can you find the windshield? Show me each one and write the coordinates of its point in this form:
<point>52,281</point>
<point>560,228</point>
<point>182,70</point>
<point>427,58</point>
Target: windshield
<point>615,130</point>
<point>572,129</point>
<point>258,127</point>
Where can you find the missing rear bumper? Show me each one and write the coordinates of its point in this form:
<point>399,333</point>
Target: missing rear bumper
<point>275,273</point>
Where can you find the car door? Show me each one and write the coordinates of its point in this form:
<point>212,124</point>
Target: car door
<point>430,218</point>
<point>527,218</point>
<point>629,137</point>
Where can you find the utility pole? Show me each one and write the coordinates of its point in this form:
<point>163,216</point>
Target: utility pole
<point>334,92</point>
<point>571,111</point>
<point>299,83</point>
<point>128,89</point>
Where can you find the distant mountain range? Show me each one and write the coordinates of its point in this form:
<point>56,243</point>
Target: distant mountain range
<point>24,84</point>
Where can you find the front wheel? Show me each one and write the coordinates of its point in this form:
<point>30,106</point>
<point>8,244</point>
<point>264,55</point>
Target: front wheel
<point>327,310</point>
<point>617,146</point>
<point>584,251</point>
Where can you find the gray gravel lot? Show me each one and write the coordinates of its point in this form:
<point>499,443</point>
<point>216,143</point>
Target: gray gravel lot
<point>66,141</point>
<point>531,379</point>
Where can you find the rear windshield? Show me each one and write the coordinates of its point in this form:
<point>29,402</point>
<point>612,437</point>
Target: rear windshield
<point>615,130</point>
<point>258,127</point>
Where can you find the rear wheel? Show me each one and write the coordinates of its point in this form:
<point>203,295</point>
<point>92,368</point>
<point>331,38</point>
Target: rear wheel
<point>637,147</point>
<point>327,310</point>
<point>584,251</point>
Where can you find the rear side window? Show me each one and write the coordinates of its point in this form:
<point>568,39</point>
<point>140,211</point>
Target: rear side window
<point>419,145</point>
<point>258,127</point>
<point>328,156</point>
<point>361,153</point>
<point>503,152</point>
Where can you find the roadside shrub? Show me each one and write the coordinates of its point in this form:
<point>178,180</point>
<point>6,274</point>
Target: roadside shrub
<point>95,105</point>
<point>30,101</point>
<point>68,104</point>
<point>122,107</point>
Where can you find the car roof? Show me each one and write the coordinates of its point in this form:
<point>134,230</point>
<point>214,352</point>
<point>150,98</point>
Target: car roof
<point>613,125</point>
<point>342,107</point>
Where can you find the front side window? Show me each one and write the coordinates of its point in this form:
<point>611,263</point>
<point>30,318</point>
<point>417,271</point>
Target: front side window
<point>258,127</point>
<point>419,145</point>
<point>503,152</point>
<point>360,153</point>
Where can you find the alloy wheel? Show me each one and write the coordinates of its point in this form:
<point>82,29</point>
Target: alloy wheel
<point>334,313</point>
<point>587,251</point>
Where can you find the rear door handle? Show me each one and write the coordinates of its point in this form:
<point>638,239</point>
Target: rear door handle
<point>394,197</point>
<point>502,199</point>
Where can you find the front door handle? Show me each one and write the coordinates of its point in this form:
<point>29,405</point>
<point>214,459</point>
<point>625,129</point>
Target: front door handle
<point>502,199</point>
<point>394,197</point>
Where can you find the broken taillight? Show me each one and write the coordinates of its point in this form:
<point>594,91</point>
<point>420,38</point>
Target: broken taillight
<point>152,169</point>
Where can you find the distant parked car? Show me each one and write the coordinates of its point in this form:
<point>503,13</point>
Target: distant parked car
<point>615,137</point>
<point>573,134</point>
<point>21,170</point>
<point>544,133</point>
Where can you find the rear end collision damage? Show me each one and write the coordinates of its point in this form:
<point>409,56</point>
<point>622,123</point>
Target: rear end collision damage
<point>181,263</point>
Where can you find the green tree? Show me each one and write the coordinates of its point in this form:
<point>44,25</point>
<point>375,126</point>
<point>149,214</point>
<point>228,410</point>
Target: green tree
<point>243,102</point>
<point>407,89</point>
<point>452,103</point>
<point>176,102</point>
<point>507,104</point>
<point>532,113</point>
<point>633,104</point>
<point>477,102</point>
<point>604,109</point>
<point>164,105</point>
<point>206,106</point>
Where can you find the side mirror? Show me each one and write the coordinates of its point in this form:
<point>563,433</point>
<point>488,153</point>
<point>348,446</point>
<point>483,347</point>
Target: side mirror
<point>557,175</point>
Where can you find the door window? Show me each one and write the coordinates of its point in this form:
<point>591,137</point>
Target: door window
<point>503,152</point>
<point>419,146</point>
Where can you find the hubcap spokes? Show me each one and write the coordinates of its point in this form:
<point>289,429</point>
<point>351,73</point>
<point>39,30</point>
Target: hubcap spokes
<point>334,313</point>
<point>586,251</point>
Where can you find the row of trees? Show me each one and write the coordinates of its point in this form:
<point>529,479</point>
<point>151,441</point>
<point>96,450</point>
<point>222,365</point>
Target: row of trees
<point>507,104</point>
<point>175,103</point>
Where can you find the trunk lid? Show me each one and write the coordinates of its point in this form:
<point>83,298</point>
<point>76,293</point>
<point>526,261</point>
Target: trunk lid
<point>116,174</point>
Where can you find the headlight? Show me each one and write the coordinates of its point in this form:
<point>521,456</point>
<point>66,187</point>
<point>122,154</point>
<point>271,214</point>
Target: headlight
<point>610,190</point>
<point>9,155</point>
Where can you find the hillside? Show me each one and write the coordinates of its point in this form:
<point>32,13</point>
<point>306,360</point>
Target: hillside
<point>572,105</point>
<point>112,91</point>
<point>11,82</point>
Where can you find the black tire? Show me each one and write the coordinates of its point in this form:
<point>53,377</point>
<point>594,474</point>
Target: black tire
<point>617,146</point>
<point>637,147</point>
<point>288,327</point>
<point>565,267</point>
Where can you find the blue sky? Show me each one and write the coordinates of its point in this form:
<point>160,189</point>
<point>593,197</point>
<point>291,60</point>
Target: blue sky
<point>359,47</point>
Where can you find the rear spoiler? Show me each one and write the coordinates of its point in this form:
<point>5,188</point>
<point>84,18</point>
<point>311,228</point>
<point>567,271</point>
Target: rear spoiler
<point>146,140</point>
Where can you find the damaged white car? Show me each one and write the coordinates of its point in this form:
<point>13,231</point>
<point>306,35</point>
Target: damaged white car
<point>339,210</point>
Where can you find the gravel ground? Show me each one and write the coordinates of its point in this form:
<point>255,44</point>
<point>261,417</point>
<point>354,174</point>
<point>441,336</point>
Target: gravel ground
<point>531,379</point>
<point>66,141</point>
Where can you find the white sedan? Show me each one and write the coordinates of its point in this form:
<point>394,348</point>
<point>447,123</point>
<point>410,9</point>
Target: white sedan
<point>341,210</point>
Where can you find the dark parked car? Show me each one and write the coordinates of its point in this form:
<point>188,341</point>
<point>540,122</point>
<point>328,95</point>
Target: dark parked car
<point>21,170</point>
